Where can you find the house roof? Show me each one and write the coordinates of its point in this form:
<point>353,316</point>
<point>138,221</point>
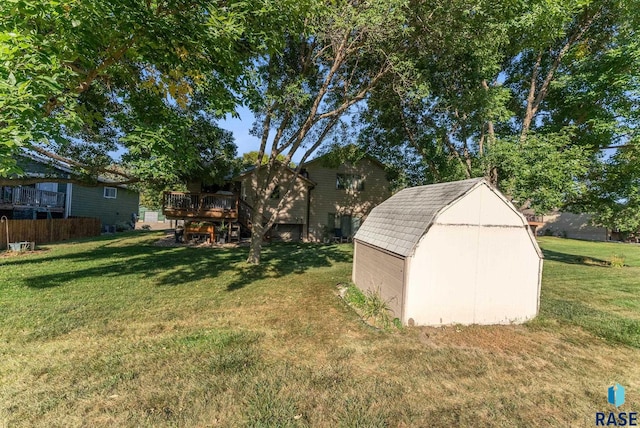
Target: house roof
<point>51,164</point>
<point>58,169</point>
<point>287,168</point>
<point>325,155</point>
<point>398,223</point>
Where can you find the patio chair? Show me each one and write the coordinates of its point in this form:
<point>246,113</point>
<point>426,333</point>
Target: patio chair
<point>338,237</point>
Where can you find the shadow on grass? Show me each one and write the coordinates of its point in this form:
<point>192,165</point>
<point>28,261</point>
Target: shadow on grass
<point>605,324</point>
<point>573,259</point>
<point>173,266</point>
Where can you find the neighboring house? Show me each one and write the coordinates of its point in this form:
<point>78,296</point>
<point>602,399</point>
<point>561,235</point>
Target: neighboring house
<point>111,203</point>
<point>569,225</point>
<point>450,253</point>
<point>326,202</point>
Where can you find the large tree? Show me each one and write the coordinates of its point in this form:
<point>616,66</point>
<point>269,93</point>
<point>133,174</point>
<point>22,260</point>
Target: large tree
<point>79,80</point>
<point>435,124</point>
<point>527,94</point>
<point>330,60</point>
<point>200,151</point>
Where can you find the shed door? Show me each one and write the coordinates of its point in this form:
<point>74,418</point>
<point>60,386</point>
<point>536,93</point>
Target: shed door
<point>378,271</point>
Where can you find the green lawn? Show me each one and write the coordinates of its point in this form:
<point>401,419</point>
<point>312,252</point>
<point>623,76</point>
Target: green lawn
<point>580,287</point>
<point>117,331</point>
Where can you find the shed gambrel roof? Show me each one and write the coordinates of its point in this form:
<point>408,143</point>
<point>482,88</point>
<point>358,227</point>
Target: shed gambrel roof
<point>397,224</point>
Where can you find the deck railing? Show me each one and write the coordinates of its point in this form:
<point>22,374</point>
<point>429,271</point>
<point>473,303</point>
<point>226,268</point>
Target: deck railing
<point>30,197</point>
<point>199,205</point>
<point>531,218</point>
<point>244,212</point>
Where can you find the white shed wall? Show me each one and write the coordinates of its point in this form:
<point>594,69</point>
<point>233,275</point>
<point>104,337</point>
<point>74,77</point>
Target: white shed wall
<point>481,206</point>
<point>476,265</point>
<point>451,280</point>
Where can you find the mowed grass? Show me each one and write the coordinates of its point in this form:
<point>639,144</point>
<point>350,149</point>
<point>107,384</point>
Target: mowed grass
<point>582,288</point>
<point>117,331</point>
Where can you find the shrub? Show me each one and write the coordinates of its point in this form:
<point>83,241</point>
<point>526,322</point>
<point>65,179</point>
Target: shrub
<point>370,306</point>
<point>617,260</point>
<point>122,226</point>
<point>355,297</point>
<point>376,308</point>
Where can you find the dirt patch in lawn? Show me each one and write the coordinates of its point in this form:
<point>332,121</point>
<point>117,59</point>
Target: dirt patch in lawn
<point>496,338</point>
<point>169,240</point>
<point>8,254</point>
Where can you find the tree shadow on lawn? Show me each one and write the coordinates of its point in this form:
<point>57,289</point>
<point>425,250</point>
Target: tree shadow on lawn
<point>573,259</point>
<point>173,266</point>
<point>280,259</point>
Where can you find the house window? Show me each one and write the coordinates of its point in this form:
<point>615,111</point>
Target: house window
<point>276,193</point>
<point>110,192</point>
<point>349,182</point>
<point>331,221</point>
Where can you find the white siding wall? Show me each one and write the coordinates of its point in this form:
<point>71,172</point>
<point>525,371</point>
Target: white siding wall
<point>469,269</point>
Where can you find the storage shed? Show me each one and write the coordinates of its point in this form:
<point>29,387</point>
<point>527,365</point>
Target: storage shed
<point>448,253</point>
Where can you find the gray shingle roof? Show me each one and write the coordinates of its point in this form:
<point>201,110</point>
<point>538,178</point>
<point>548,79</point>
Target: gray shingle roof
<point>398,223</point>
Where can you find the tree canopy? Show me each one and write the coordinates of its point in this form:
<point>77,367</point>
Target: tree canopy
<point>329,62</point>
<point>80,80</point>
<point>250,159</point>
<point>542,97</point>
<point>527,94</point>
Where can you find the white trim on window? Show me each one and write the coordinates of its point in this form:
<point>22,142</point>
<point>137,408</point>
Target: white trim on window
<point>110,192</point>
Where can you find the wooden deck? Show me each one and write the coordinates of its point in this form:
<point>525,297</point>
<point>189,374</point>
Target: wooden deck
<point>201,206</point>
<point>535,221</point>
<point>211,207</point>
<point>26,197</point>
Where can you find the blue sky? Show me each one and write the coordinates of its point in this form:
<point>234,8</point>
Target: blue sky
<point>240,127</point>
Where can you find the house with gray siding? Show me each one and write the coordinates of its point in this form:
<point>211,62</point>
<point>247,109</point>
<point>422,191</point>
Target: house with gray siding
<point>110,203</point>
<point>50,197</point>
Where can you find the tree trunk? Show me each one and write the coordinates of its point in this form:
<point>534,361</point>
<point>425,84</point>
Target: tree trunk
<point>532,105</point>
<point>257,232</point>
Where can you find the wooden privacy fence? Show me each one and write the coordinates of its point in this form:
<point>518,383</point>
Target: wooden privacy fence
<point>46,231</point>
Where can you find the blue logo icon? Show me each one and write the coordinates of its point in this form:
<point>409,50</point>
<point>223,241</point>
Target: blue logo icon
<point>616,395</point>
